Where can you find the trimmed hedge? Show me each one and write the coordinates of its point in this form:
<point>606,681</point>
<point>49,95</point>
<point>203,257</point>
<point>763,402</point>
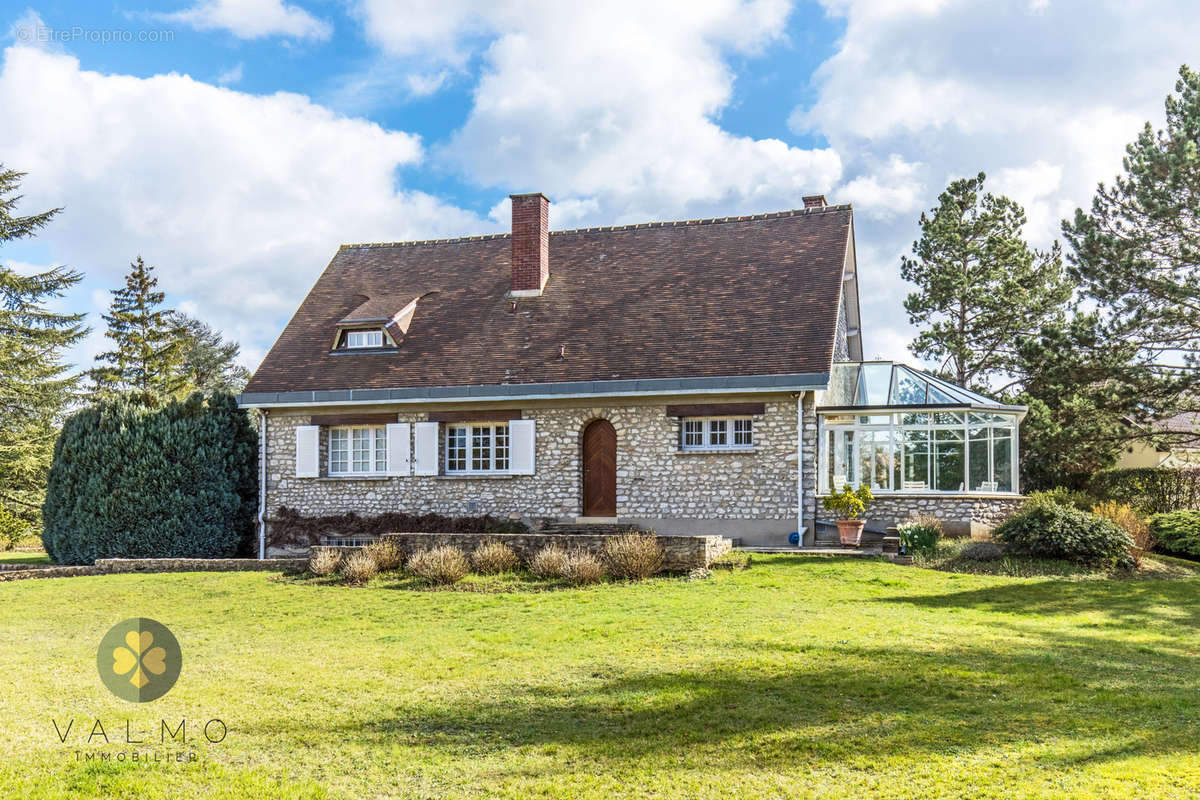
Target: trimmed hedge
<point>1053,531</point>
<point>1154,490</point>
<point>289,526</point>
<point>128,481</point>
<point>1177,532</point>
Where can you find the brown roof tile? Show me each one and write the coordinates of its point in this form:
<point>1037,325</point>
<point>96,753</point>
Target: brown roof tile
<point>737,296</point>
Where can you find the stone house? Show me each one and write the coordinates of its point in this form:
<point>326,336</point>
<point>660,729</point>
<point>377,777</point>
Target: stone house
<point>687,377</point>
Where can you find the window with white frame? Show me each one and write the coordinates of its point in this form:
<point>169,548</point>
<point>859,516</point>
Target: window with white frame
<point>717,433</point>
<point>360,339</point>
<point>358,450</point>
<point>920,451</point>
<point>477,448</point>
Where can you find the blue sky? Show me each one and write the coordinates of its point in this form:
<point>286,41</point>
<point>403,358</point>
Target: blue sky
<point>235,143</point>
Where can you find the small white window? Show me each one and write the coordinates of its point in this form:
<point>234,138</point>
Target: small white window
<point>477,448</point>
<point>358,450</point>
<point>720,433</point>
<point>357,339</point>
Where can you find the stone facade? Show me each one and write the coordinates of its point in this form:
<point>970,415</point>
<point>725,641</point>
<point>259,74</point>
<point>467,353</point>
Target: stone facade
<point>680,553</point>
<point>961,515</point>
<point>659,486</point>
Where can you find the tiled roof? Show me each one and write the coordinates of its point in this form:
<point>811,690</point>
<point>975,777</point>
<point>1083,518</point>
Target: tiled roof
<point>734,296</point>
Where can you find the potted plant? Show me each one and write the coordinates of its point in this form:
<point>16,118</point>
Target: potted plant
<point>848,504</point>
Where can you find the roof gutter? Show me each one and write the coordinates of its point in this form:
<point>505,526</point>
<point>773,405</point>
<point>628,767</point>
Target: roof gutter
<point>752,384</point>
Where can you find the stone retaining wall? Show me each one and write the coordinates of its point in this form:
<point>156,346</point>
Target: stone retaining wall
<point>109,566</point>
<point>682,553</point>
<point>961,515</point>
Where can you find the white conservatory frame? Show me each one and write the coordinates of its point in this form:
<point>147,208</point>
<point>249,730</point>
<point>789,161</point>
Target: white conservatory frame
<point>896,411</point>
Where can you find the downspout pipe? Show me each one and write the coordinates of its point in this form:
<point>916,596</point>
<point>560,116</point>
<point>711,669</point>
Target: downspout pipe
<point>262,484</point>
<point>800,468</point>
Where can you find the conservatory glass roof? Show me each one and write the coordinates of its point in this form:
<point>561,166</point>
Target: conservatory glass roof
<point>882,384</point>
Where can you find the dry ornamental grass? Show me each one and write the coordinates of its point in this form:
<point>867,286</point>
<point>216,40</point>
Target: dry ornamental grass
<point>440,565</point>
<point>492,558</point>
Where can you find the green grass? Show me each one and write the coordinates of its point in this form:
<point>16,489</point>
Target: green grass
<point>23,557</point>
<point>794,678</point>
<point>948,556</point>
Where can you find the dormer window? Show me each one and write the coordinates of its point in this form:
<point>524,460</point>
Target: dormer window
<point>367,338</point>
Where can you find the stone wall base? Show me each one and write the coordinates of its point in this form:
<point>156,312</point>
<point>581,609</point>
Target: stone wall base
<point>961,515</point>
<point>109,566</point>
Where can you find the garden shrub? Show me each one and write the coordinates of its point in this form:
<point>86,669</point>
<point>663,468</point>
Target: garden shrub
<point>12,528</point>
<point>492,558</point>
<point>127,481</point>
<point>981,551</point>
<point>291,528</point>
<point>634,555</point>
<point>921,534</point>
<point>550,562</point>
<point>1177,532</point>
<point>1054,531</point>
<point>1152,490</point>
<point>441,565</point>
<point>1061,496</point>
<point>584,567</point>
<point>387,553</point>
<point>1132,523</point>
<point>358,568</point>
<point>324,561</point>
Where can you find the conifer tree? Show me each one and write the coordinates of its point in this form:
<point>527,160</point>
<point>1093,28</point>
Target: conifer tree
<point>35,386</point>
<point>981,287</point>
<point>1137,253</point>
<point>147,361</point>
<point>209,362</point>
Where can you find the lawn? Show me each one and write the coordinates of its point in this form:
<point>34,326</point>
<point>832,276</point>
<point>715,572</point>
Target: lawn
<point>795,678</point>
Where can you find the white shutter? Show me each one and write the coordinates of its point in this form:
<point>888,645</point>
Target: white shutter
<point>398,448</point>
<point>308,451</point>
<point>425,441</point>
<point>521,433</point>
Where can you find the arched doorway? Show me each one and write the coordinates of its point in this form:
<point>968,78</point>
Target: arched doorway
<point>600,469</point>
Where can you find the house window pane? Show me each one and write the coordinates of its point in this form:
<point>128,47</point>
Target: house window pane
<point>339,451</point>
<point>844,458</point>
<point>501,447</point>
<point>949,461</point>
<point>916,460</point>
<point>743,432</point>
<point>874,381</point>
<point>693,433</point>
<point>364,339</point>
<point>718,433</point>
<point>1002,453</point>
<point>456,449</point>
<point>481,448</point>
<point>359,450</point>
<point>977,453</point>
<point>381,450</point>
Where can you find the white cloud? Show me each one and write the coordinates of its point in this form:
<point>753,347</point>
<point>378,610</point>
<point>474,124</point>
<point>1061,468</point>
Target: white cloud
<point>610,108</point>
<point>232,75</point>
<point>1042,96</point>
<point>252,19</point>
<point>238,200</point>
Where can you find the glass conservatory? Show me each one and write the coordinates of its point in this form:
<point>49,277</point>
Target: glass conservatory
<point>900,430</point>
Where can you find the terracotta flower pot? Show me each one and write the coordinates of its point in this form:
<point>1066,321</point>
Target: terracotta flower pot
<point>850,531</point>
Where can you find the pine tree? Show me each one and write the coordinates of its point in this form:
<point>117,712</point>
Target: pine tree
<point>981,287</point>
<point>34,385</point>
<point>1088,395</point>
<point>147,362</point>
<point>209,362</point>
<point>1137,254</point>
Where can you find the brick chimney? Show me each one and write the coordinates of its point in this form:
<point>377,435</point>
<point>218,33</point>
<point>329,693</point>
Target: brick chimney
<point>530,243</point>
<point>815,201</point>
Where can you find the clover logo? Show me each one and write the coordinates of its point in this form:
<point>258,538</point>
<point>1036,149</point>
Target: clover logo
<point>139,660</point>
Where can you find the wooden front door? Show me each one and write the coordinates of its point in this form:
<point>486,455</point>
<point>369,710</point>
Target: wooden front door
<point>600,470</point>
